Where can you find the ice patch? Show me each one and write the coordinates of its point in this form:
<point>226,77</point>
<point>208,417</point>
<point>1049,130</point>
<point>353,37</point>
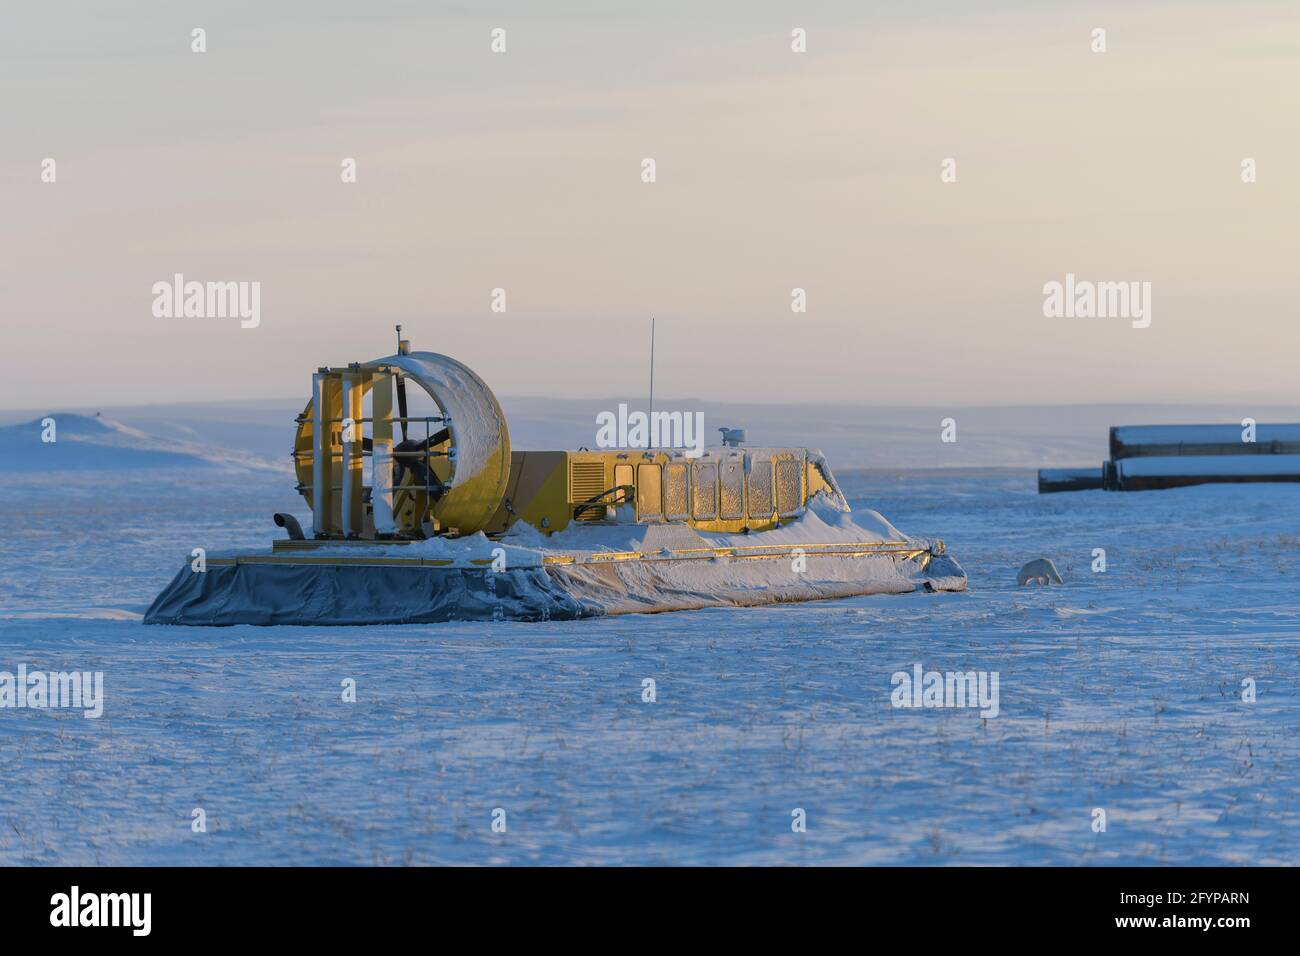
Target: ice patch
<point>87,614</point>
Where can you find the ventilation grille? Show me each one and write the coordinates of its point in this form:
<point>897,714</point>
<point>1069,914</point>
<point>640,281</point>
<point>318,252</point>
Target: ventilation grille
<point>586,481</point>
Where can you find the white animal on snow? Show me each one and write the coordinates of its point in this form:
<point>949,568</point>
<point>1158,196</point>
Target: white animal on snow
<point>1040,571</point>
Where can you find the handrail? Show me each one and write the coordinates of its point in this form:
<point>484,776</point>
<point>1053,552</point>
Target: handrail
<point>594,503</point>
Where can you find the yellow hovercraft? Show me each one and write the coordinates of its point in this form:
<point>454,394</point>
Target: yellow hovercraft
<point>454,525</point>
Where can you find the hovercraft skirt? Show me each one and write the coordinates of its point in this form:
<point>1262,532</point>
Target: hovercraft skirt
<point>316,591</point>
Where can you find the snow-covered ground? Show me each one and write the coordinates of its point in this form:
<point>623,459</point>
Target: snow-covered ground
<point>1120,690</point>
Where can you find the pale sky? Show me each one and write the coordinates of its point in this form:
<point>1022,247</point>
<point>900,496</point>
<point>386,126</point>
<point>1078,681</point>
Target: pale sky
<point>775,170</point>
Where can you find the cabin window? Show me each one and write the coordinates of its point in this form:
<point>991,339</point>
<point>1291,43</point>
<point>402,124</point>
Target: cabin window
<point>676,503</point>
<point>731,487</point>
<point>789,487</point>
<point>649,500</point>
<point>704,489</point>
<point>760,489</point>
<point>622,477</point>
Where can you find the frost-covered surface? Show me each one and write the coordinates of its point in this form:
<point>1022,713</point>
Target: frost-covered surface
<point>1118,690</point>
<point>673,568</point>
<point>474,417</point>
<point>1204,434</point>
<point>1209,465</point>
<point>524,546</point>
<point>823,522</point>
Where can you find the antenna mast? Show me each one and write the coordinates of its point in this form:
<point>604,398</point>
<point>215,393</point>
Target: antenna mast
<point>652,365</point>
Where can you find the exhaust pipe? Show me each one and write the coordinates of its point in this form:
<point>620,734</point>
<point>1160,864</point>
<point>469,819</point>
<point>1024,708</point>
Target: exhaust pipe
<point>290,524</point>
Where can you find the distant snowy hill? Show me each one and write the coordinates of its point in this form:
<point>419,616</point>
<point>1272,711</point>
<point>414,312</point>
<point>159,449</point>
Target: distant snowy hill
<point>85,442</point>
<point>259,433</point>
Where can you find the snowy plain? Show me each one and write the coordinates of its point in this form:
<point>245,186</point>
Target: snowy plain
<point>1119,690</point>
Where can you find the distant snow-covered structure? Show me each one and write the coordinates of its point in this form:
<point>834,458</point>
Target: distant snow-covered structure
<point>1146,457</point>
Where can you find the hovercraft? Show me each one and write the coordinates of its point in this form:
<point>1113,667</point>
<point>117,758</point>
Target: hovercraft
<point>454,525</point>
